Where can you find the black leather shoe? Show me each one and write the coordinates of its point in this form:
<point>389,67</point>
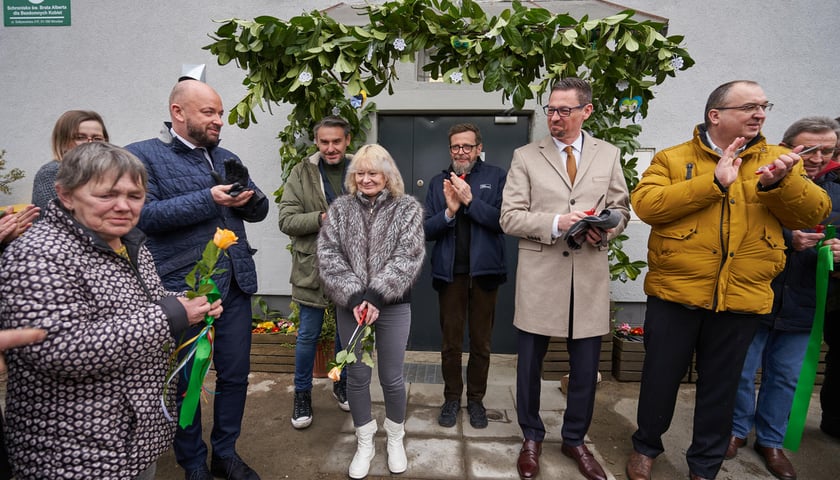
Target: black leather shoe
<point>232,468</point>
<point>528,463</point>
<point>200,473</point>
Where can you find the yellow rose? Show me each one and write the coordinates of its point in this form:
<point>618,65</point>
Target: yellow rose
<point>224,238</point>
<point>335,374</point>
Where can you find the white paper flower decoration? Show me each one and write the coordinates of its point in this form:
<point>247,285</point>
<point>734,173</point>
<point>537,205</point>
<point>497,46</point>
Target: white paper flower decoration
<point>677,62</point>
<point>456,77</point>
<point>305,77</point>
<point>622,85</point>
<point>399,44</point>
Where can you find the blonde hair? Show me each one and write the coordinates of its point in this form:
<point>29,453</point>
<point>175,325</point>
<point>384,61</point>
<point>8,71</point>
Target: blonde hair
<point>375,157</point>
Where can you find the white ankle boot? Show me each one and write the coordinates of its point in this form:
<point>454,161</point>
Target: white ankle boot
<point>397,463</point>
<point>360,465</point>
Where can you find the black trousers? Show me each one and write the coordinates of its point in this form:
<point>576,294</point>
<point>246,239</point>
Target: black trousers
<point>584,356</point>
<point>719,341</point>
<point>830,392</point>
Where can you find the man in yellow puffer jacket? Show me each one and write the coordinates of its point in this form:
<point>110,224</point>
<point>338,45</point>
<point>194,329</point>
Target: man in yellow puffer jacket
<point>716,206</point>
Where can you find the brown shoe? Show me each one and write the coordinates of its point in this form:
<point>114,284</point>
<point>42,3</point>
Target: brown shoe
<point>639,466</point>
<point>528,464</point>
<point>734,444</point>
<point>587,464</point>
<point>694,476</point>
<point>776,461</point>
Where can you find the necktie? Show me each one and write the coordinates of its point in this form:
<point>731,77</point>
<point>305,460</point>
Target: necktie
<point>571,163</point>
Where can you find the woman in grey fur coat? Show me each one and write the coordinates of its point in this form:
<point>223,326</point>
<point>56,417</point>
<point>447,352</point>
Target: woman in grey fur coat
<point>370,251</point>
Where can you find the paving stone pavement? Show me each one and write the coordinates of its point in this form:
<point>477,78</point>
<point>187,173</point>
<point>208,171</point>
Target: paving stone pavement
<point>323,451</point>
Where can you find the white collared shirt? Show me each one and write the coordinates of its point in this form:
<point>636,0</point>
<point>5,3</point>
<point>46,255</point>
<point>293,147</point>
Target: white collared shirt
<point>193,147</point>
<point>719,150</point>
<point>577,148</point>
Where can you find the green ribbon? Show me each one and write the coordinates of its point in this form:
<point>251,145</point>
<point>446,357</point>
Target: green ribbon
<point>202,357</point>
<point>808,372</point>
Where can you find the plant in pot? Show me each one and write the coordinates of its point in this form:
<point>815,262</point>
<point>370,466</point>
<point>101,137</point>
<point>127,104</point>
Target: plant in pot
<point>326,344</point>
<point>325,349</point>
<point>265,319</point>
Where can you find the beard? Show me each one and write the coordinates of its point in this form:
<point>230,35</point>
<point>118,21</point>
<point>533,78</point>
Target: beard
<point>200,136</point>
<point>462,169</point>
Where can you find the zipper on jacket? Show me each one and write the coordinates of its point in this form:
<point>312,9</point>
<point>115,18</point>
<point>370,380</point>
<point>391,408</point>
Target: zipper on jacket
<point>688,169</point>
<point>724,248</point>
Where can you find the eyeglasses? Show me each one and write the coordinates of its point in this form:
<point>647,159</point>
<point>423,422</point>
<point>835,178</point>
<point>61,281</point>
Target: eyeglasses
<point>826,152</point>
<point>562,111</point>
<point>749,107</point>
<point>465,148</point>
<point>82,138</point>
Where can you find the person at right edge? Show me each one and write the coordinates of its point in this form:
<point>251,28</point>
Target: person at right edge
<point>830,391</point>
<point>562,292</point>
<point>782,338</point>
<point>716,205</point>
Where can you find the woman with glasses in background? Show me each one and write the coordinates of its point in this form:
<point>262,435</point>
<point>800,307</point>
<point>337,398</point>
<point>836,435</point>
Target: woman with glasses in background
<point>73,127</point>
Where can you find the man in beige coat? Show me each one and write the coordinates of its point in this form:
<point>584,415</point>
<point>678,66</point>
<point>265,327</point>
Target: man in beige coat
<point>560,291</point>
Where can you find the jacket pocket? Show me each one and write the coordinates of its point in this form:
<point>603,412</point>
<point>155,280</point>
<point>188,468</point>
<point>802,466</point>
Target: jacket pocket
<point>672,239</point>
<point>775,240</point>
<point>304,270</point>
<point>525,244</point>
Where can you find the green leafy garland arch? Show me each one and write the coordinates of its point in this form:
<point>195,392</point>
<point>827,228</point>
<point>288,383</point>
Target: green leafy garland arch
<point>321,67</point>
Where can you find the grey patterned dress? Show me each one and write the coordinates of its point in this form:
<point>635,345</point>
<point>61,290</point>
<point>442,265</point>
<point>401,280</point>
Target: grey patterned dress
<point>85,403</point>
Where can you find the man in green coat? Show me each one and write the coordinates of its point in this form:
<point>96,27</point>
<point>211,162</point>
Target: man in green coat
<point>312,185</point>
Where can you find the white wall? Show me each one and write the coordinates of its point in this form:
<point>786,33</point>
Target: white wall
<point>121,58</point>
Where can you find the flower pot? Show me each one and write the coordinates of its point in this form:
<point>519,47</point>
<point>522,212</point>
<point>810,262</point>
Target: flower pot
<point>273,353</point>
<point>556,361</point>
<point>629,358</point>
<point>323,354</point>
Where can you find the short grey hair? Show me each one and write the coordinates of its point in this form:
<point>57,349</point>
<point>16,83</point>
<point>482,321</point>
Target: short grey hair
<point>94,161</point>
<point>811,125</point>
<point>331,121</point>
<point>375,157</point>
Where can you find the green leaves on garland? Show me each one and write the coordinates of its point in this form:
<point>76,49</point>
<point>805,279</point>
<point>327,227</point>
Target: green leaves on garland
<point>318,66</point>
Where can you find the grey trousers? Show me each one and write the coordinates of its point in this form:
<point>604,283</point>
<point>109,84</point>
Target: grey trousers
<point>392,328</point>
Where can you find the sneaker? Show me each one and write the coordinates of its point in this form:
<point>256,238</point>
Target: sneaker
<point>302,413</point>
<point>232,468</point>
<point>478,414</point>
<point>340,394</point>
<point>449,413</point>
<point>200,473</point>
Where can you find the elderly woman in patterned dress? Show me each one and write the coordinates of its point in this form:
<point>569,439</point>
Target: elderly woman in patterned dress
<point>86,402</point>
